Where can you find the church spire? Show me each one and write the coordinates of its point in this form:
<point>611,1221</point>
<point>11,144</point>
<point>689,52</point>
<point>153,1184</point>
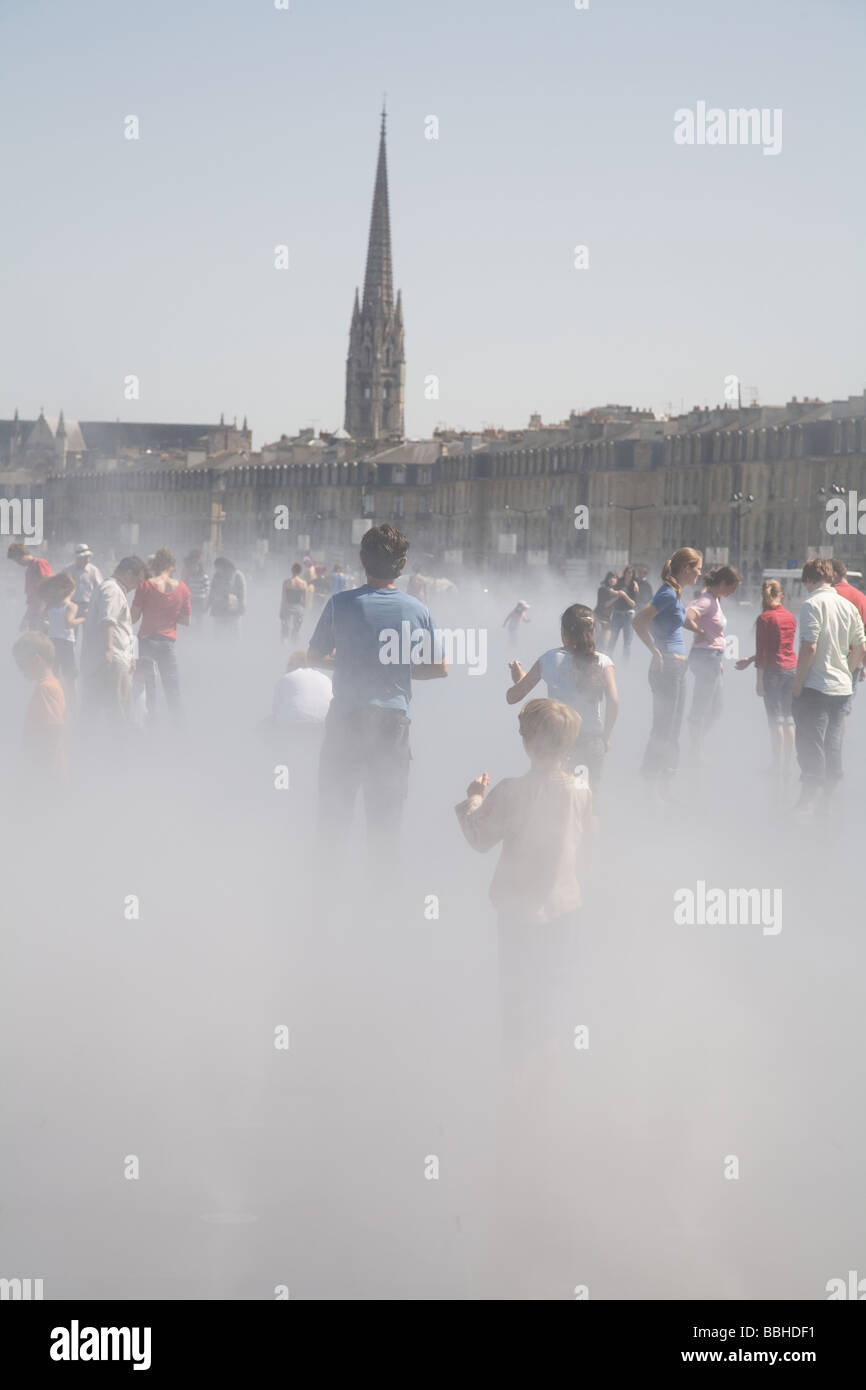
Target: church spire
<point>376,364</point>
<point>378,281</point>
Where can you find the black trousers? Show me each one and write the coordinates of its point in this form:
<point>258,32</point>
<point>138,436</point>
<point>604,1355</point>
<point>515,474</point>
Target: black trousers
<point>368,750</point>
<point>818,719</point>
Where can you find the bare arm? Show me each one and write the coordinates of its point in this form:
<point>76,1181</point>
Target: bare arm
<point>324,661</point>
<point>690,621</point>
<point>524,682</point>
<point>641,626</point>
<point>482,820</point>
<point>611,702</point>
<point>429,671</point>
<point>856,657</point>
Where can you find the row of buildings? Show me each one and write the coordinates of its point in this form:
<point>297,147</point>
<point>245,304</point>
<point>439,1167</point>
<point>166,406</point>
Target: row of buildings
<point>750,486</point>
<point>745,484</point>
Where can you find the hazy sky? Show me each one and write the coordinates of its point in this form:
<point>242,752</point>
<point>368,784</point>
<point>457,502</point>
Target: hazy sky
<point>259,127</point>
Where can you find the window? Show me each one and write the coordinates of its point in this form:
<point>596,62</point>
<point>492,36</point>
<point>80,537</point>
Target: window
<point>425,477</point>
<point>398,473</point>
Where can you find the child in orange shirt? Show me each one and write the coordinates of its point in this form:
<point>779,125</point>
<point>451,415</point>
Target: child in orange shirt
<point>44,729</point>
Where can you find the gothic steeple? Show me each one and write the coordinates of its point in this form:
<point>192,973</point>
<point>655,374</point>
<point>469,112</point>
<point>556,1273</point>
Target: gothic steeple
<point>375,368</point>
<point>378,280</point>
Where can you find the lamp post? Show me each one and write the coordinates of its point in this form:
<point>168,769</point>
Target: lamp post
<point>625,507</point>
<point>524,512</point>
<point>445,516</point>
<point>554,513</point>
<point>740,504</point>
<point>831,490</point>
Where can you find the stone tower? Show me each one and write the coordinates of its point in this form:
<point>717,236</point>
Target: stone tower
<point>60,443</point>
<point>376,365</point>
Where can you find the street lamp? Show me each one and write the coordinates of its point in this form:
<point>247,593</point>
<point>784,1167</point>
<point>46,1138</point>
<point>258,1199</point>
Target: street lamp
<point>831,490</point>
<point>740,504</point>
<point>625,507</point>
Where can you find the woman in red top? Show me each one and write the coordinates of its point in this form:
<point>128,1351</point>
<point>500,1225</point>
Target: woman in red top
<point>161,602</point>
<point>776,662</point>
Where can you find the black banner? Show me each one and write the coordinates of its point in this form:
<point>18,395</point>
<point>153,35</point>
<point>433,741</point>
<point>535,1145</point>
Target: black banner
<point>159,1339</point>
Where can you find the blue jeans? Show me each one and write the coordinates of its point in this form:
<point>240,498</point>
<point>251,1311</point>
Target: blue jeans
<point>621,623</point>
<point>668,685</point>
<point>706,665</point>
<point>158,654</point>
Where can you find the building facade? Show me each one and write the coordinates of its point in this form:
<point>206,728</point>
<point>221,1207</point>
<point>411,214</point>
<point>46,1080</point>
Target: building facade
<point>748,486</point>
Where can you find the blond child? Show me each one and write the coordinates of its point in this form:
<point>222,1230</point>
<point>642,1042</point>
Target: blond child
<point>539,819</point>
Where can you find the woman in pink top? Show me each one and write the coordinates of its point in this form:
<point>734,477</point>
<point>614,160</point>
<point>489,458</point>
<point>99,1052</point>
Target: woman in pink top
<point>707,657</point>
<point>161,602</point>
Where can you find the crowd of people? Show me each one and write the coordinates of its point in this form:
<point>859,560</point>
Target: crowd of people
<point>105,645</point>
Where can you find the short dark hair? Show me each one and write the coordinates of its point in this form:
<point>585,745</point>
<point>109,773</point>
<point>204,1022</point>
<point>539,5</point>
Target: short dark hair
<point>383,551</point>
<point>817,572</point>
<point>17,551</point>
<point>724,574</point>
<point>840,569</point>
<point>131,564</point>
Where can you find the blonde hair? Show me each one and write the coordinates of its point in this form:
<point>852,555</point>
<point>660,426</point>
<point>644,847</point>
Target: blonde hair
<point>549,728</point>
<point>673,567</point>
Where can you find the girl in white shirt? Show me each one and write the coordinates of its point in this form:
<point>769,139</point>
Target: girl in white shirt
<point>580,677</point>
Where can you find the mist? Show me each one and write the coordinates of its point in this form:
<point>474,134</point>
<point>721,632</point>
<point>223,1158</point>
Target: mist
<point>284,1040</point>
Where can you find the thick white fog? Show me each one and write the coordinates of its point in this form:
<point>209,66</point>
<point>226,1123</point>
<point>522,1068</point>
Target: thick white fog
<point>711,1049</point>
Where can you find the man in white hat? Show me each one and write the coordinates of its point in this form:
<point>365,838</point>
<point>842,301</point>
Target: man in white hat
<point>87,577</point>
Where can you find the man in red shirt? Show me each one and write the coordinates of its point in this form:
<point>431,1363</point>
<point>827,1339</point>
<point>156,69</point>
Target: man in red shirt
<point>858,598</point>
<point>161,602</point>
<point>841,585</point>
<point>35,570</point>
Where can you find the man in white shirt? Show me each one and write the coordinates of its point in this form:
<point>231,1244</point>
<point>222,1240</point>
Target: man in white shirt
<point>109,652</point>
<point>832,647</point>
<point>87,577</point>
